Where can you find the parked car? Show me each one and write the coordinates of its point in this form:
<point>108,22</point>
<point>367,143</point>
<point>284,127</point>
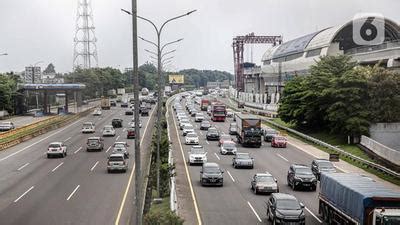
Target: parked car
<point>88,127</point>
<point>211,174</point>
<point>264,183</point>
<point>57,149</point>
<point>223,138</point>
<point>228,147</point>
<point>212,134</point>
<point>188,128</point>
<point>94,143</point>
<point>241,160</point>
<point>97,112</point>
<point>278,141</point>
<point>191,139</point>
<point>121,147</point>
<point>116,123</point>
<point>269,134</point>
<point>108,130</point>
<point>197,154</point>
<point>6,126</point>
<point>233,128</point>
<point>117,162</point>
<point>130,133</point>
<point>285,209</point>
<point>199,117</point>
<point>301,176</point>
<point>205,124</point>
<point>319,166</point>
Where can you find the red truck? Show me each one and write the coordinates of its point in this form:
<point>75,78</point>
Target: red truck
<point>204,104</point>
<point>218,112</point>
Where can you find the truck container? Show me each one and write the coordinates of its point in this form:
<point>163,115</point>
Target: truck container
<point>354,199</point>
<point>218,112</point>
<point>204,104</point>
<point>248,130</point>
<point>105,103</point>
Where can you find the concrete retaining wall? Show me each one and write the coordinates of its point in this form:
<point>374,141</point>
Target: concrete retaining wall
<point>387,134</point>
<point>381,150</point>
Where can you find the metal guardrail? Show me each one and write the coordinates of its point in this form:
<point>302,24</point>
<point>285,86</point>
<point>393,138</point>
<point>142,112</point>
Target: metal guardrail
<point>334,148</point>
<point>172,194</point>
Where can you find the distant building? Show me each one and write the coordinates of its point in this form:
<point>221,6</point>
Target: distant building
<point>52,78</point>
<point>32,75</point>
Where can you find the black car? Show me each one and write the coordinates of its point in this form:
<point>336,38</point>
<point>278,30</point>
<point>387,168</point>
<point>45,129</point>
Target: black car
<point>124,105</point>
<point>269,134</point>
<point>116,123</point>
<point>285,209</point>
<point>205,125</point>
<point>144,112</point>
<point>322,165</point>
<point>211,174</point>
<point>113,103</point>
<point>212,134</point>
<point>129,112</point>
<point>301,176</point>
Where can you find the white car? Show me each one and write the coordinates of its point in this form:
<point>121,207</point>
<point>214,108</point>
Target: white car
<point>132,123</point>
<point>197,154</point>
<point>121,147</point>
<point>228,147</point>
<point>88,127</point>
<point>97,112</point>
<point>188,128</point>
<point>6,126</point>
<point>57,149</point>
<point>191,139</point>
<point>199,117</point>
<point>108,130</point>
<point>182,118</point>
<point>229,113</point>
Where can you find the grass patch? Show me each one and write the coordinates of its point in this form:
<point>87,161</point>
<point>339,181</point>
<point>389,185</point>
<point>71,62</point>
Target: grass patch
<point>160,214</point>
<point>340,142</point>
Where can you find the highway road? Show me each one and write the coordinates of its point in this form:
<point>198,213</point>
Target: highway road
<point>235,203</point>
<point>72,190</point>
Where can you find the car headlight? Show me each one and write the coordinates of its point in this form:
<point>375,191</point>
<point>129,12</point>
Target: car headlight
<point>298,178</point>
<point>279,215</point>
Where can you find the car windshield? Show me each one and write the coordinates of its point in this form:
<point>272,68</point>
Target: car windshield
<point>119,146</point>
<point>191,135</point>
<point>93,141</point>
<point>116,159</point>
<point>211,170</point>
<point>229,145</point>
<point>280,139</point>
<point>197,151</point>
<point>205,123</point>
<point>304,171</point>
<point>287,204</point>
<point>265,179</point>
<point>188,126</point>
<point>54,145</point>
<point>233,125</point>
<point>243,156</point>
<point>108,128</point>
<point>5,124</point>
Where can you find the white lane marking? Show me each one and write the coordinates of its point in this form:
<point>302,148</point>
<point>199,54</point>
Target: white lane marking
<point>91,169</point>
<point>117,138</point>
<point>108,149</point>
<point>67,139</point>
<point>230,175</point>
<point>207,142</point>
<point>29,146</point>
<point>313,215</point>
<point>26,192</point>
<point>254,211</point>
<point>77,150</point>
<point>26,164</point>
<point>217,156</point>
<point>57,167</point>
<point>73,192</point>
<point>282,157</point>
<point>123,130</point>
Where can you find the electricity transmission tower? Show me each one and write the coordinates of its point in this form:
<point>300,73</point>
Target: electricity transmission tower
<point>85,50</point>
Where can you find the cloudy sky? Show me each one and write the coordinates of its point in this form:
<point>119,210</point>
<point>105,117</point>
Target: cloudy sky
<point>43,30</point>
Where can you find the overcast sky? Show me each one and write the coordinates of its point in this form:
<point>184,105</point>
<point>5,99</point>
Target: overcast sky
<point>43,30</point>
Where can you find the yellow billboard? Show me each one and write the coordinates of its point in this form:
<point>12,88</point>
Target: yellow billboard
<point>176,79</point>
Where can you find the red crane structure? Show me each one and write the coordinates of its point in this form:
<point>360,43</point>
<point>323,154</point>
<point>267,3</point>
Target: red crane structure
<point>238,49</point>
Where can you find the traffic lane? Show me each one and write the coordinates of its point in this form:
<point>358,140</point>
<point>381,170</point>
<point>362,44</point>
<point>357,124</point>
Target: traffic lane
<point>310,199</point>
<point>224,204</point>
<point>77,219</point>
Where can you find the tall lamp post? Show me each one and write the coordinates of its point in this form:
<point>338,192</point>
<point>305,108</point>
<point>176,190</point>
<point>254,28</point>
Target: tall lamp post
<point>33,81</point>
<point>160,80</point>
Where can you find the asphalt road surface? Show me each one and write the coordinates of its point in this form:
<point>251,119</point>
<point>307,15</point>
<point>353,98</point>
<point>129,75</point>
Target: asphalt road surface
<point>73,190</point>
<point>235,203</point>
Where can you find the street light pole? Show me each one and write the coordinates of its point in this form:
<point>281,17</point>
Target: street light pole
<point>138,186</point>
